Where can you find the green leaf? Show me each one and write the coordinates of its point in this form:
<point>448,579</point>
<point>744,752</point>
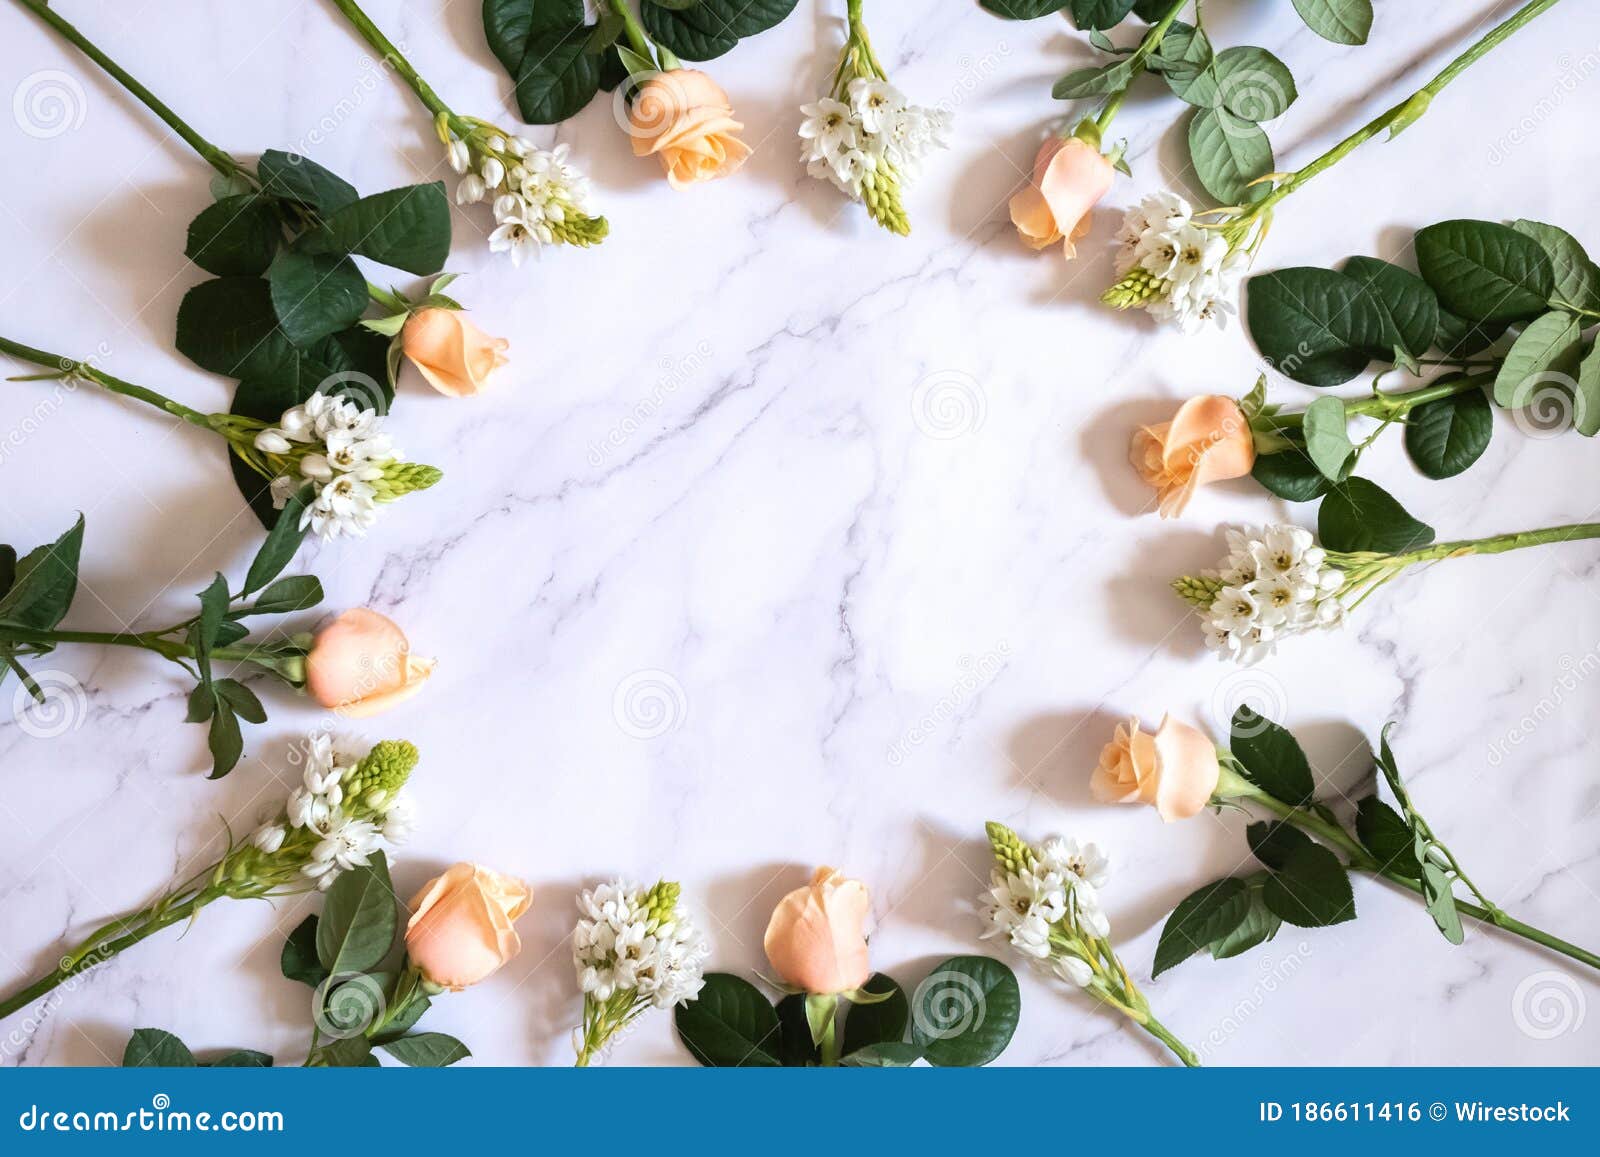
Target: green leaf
<point>350,1052</point>
<point>1446,436</point>
<point>228,325</point>
<point>1271,758</point>
<point>358,920</point>
<point>883,1055</point>
<point>1314,325</point>
<point>1341,21</point>
<point>214,603</point>
<point>708,29</point>
<point>1228,154</point>
<point>795,1047</point>
<point>224,740</point>
<point>559,75</point>
<point>873,1024</point>
<point>1272,841</point>
<point>1185,61</point>
<point>1099,13</point>
<point>1208,914</point>
<point>1460,338</point>
<point>1546,353</point>
<point>965,1012</point>
<point>509,24</point>
<point>1359,515</point>
<point>730,1025</point>
<point>298,960</point>
<point>1388,837</point>
<point>1326,430</point>
<point>242,1059</point>
<point>296,178</point>
<point>315,295</point>
<point>1312,890</point>
<point>1087,82</point>
<point>1291,475</point>
<point>1586,412</point>
<point>235,237</point>
<point>283,541</point>
<point>202,703</point>
<point>1577,280</point>
<point>242,700</point>
<point>156,1048</point>
<point>1253,84</point>
<point>1259,925</point>
<point>295,593</point>
<point>1485,271</point>
<point>1022,9</point>
<point>43,582</point>
<point>426,1050</point>
<point>1439,896</point>
<point>407,228</point>
<point>8,568</point>
<point>1404,300</point>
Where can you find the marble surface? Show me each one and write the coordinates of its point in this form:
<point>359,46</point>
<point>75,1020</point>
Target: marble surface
<point>849,514</point>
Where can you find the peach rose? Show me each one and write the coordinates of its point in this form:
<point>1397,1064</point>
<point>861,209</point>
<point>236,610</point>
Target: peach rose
<point>361,664</point>
<point>453,354</point>
<point>1208,440</point>
<point>1176,769</point>
<point>684,118</point>
<point>460,927</point>
<point>815,939</point>
<point>1069,177</point>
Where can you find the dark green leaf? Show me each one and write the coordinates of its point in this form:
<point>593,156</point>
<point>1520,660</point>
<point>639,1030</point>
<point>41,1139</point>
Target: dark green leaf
<point>299,179</point>
<point>1360,515</point>
<point>295,593</point>
<point>1388,837</point>
<point>730,1025</point>
<point>202,703</point>
<point>283,540</point>
<point>1229,153</point>
<point>1485,271</point>
<point>407,228</point>
<point>228,325</point>
<point>43,582</point>
<point>1291,475</point>
<point>1023,9</point>
<point>796,1048</point>
<point>883,1055</point>
<point>711,27</point>
<point>1271,758</point>
<point>1271,841</point>
<point>1411,307</point>
<point>1312,890</point>
<point>315,295</point>
<point>427,1050</point>
<point>156,1048</point>
<point>559,75</point>
<point>1461,338</point>
<point>242,1059</point>
<point>1204,916</point>
<point>358,920</point>
<point>1259,925</point>
<point>508,24</point>
<point>235,237</point>
<point>1446,436</point>
<point>964,1013</point>
<point>1099,13</point>
<point>351,1052</point>
<point>1546,354</point>
<point>871,1024</point>
<point>242,700</point>
<point>299,958</point>
<point>8,568</point>
<point>1314,325</point>
<point>224,740</point>
<point>1341,21</point>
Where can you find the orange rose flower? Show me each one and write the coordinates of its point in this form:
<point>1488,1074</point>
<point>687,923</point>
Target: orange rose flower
<point>684,118</point>
<point>361,664</point>
<point>1208,440</point>
<point>815,939</point>
<point>453,354</point>
<point>460,928</point>
<point>1069,178</point>
<point>1176,770</point>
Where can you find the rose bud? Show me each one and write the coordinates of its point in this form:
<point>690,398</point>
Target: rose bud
<point>460,928</point>
<point>1176,770</point>
<point>1208,440</point>
<point>453,354</point>
<point>815,939</point>
<point>684,118</point>
<point>361,664</point>
<point>1069,178</point>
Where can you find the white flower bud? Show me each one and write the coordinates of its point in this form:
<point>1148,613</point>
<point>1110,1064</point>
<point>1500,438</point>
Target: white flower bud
<point>460,156</point>
<point>497,144</point>
<point>316,468</point>
<point>271,441</point>
<point>269,838</point>
<point>493,172</point>
<point>519,146</point>
<point>471,190</point>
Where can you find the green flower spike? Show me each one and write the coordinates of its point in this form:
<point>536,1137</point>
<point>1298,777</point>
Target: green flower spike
<point>1136,287</point>
<point>1010,852</point>
<point>379,777</point>
<point>1200,592</point>
<point>661,903</point>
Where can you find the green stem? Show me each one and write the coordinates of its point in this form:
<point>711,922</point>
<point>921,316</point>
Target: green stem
<point>828,1046</point>
<point>633,30</point>
<point>219,160</point>
<point>141,924</point>
<point>1501,543</point>
<point>1391,407</point>
<point>392,56</point>
<point>74,369</point>
<point>1422,96</point>
<point>1364,861</point>
<point>1165,1035</point>
<point>1137,63</point>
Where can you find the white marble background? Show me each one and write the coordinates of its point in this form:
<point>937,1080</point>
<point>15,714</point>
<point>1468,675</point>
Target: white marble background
<point>710,460</point>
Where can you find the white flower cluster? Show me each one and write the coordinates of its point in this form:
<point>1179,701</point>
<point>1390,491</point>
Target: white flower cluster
<point>537,196</point>
<point>1197,270</point>
<point>321,806</point>
<point>842,141</point>
<point>1047,910</point>
<point>340,449</point>
<point>621,944</point>
<point>1276,581</point>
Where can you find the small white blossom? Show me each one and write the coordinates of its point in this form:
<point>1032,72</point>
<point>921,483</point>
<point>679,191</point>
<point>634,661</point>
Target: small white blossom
<point>1276,582</point>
